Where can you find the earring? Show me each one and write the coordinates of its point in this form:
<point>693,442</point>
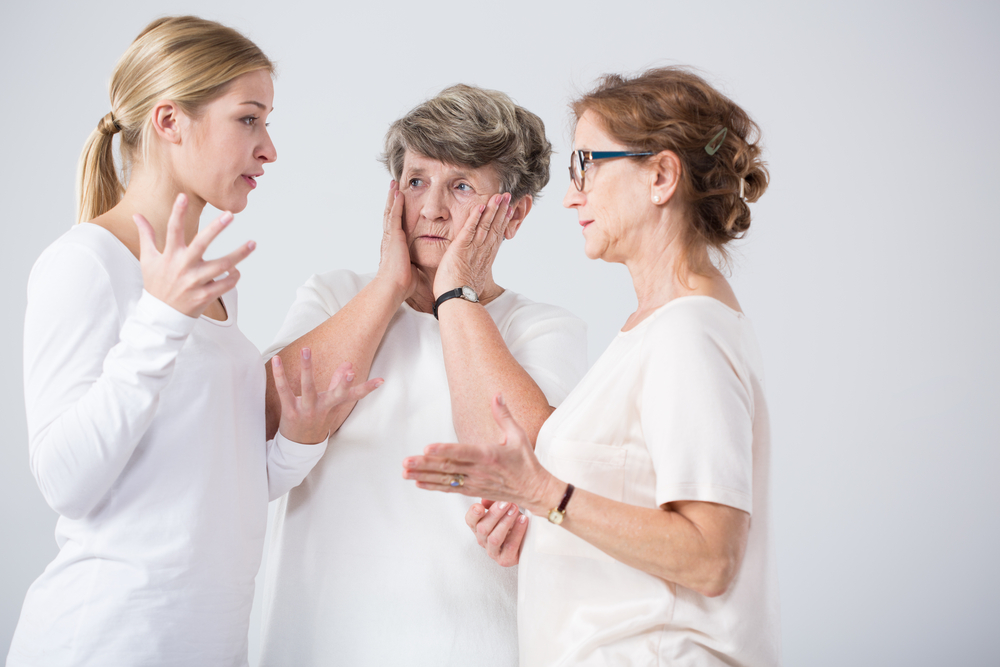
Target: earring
<point>656,199</point>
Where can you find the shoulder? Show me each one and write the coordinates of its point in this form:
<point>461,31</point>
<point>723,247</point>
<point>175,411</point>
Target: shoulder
<point>689,319</point>
<point>511,309</point>
<point>86,254</point>
<point>332,289</point>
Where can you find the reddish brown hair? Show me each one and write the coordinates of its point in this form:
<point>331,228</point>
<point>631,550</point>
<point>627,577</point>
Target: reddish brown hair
<point>673,109</point>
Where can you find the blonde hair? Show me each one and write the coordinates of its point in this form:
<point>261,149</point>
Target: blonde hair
<point>185,59</point>
<point>475,127</point>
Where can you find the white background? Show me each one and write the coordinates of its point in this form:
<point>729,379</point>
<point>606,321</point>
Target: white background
<point>869,270</point>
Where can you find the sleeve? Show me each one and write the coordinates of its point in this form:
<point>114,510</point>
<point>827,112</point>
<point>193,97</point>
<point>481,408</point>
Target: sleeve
<point>91,383</point>
<point>315,302</point>
<point>697,412</point>
<point>550,344</point>
<point>288,463</point>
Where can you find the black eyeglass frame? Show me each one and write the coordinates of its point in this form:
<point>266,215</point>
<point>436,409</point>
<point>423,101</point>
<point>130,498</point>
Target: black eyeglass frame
<point>587,157</point>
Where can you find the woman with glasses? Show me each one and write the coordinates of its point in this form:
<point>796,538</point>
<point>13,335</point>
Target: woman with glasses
<point>653,473</point>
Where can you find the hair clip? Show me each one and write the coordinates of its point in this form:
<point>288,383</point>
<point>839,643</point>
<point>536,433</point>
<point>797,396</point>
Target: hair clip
<point>713,146</point>
<point>743,183</point>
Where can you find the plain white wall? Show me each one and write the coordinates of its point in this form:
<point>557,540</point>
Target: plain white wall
<point>869,270</point>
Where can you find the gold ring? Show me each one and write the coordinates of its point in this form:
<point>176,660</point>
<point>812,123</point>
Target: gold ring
<point>457,479</point>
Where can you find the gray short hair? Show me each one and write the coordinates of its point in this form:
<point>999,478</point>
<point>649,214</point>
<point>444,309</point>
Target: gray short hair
<point>474,127</point>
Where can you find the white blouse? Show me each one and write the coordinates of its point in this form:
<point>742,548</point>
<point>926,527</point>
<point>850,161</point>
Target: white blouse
<point>673,410</point>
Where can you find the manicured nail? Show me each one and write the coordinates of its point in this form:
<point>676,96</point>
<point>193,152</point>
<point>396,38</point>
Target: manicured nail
<point>379,383</point>
<point>524,517</point>
<point>306,353</point>
<point>510,212</point>
<point>181,199</point>
<point>500,399</point>
<point>501,505</point>
<point>392,183</point>
<point>482,208</point>
<point>349,377</point>
<point>511,511</point>
<point>226,218</point>
<point>477,510</point>
<point>251,245</point>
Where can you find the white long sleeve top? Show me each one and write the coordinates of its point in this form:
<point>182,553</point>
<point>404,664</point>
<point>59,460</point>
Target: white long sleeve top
<point>146,435</point>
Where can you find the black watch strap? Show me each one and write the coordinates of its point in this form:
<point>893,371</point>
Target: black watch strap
<point>450,294</point>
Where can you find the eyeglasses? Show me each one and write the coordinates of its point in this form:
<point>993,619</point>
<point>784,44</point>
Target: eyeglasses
<point>579,161</point>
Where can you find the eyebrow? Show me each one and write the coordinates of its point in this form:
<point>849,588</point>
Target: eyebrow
<point>257,104</point>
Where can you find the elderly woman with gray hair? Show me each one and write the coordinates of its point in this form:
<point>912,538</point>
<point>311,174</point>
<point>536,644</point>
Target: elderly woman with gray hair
<point>364,569</point>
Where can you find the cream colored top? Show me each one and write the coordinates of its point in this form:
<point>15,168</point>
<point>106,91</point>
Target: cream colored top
<point>673,410</point>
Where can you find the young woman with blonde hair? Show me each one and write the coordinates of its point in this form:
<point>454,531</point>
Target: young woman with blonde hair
<point>145,402</point>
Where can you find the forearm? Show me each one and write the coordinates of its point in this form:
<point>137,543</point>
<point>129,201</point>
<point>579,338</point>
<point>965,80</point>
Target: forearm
<point>479,365</point>
<point>352,334</point>
<point>697,545</point>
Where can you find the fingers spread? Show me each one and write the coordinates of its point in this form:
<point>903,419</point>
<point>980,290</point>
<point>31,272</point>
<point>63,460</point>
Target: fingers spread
<point>175,224</point>
<point>306,380</point>
<point>205,237</point>
<point>147,237</point>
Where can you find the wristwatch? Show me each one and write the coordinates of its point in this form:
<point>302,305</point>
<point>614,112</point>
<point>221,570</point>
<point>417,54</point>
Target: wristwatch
<point>557,514</point>
<point>463,292</point>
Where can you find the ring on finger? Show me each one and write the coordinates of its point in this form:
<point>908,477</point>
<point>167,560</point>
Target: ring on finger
<point>455,480</point>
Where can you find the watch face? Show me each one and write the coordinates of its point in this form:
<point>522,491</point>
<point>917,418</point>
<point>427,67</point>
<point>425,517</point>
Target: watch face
<point>555,516</point>
<point>469,294</point>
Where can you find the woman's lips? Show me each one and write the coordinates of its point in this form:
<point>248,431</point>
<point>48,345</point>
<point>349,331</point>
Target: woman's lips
<point>251,181</point>
<point>584,223</point>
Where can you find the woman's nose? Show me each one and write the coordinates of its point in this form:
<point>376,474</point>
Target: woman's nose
<point>434,205</point>
<point>267,152</point>
<point>573,196</point>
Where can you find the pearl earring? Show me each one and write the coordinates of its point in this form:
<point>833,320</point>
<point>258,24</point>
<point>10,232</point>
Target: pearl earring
<point>656,199</point>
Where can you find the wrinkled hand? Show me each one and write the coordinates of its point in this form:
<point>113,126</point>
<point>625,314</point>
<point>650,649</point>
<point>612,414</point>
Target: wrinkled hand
<point>506,471</point>
<point>499,528</point>
<point>178,276</point>
<point>305,419</point>
<point>394,256</point>
<point>469,258</point>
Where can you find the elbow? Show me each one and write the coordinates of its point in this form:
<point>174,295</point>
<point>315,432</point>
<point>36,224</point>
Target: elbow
<point>67,496</point>
<point>718,576</point>
<point>69,505</point>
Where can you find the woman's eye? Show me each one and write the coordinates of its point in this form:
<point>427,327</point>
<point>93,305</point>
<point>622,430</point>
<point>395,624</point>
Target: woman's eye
<point>249,120</point>
<point>415,182</point>
<point>464,187</point>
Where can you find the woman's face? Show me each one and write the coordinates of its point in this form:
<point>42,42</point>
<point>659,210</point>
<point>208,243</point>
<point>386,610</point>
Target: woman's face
<point>615,195</point>
<point>227,145</point>
<point>437,200</point>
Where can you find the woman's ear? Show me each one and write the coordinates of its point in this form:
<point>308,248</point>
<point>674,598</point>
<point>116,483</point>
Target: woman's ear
<point>666,176</point>
<point>521,209</point>
<point>167,121</point>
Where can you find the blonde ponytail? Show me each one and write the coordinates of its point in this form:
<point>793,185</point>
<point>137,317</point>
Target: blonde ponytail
<point>185,59</point>
<point>98,186</point>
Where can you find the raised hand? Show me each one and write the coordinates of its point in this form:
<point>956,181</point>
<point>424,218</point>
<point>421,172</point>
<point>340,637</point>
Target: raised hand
<point>178,276</point>
<point>394,255</point>
<point>305,419</point>
<point>469,258</point>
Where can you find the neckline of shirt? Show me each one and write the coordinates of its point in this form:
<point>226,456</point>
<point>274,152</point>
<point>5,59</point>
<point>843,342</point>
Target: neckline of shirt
<point>117,243</point>
<point>701,297</point>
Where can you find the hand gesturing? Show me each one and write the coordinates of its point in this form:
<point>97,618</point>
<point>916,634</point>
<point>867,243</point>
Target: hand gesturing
<point>179,276</point>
